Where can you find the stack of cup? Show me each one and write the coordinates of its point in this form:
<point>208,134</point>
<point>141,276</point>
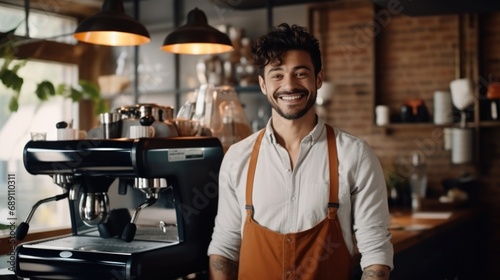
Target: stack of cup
<point>443,113</point>
<point>461,145</point>
<point>70,134</point>
<point>142,131</point>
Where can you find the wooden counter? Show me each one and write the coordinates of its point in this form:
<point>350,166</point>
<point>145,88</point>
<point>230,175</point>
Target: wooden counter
<point>430,245</point>
<point>437,245</point>
<point>408,229</point>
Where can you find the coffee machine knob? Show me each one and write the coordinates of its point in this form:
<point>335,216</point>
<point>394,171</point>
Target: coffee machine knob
<point>94,208</point>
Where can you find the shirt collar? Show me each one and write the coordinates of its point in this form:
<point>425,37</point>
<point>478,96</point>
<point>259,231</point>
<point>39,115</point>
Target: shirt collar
<point>312,137</point>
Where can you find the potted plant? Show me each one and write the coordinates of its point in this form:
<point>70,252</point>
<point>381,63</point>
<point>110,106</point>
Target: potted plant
<point>45,89</point>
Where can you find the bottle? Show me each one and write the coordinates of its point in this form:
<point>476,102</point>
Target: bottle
<point>418,180</point>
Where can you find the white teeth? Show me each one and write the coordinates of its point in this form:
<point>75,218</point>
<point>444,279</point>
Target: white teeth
<point>289,98</point>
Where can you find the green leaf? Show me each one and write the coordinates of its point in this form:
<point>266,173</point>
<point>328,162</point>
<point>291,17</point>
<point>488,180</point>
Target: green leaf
<point>14,103</point>
<point>75,95</point>
<point>11,80</point>
<point>89,90</point>
<point>62,89</point>
<point>44,90</point>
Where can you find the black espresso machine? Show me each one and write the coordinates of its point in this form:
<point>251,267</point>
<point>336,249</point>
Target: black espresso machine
<point>140,208</point>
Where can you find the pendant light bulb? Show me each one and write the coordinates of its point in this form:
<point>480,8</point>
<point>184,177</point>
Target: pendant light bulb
<point>112,27</point>
<point>197,37</point>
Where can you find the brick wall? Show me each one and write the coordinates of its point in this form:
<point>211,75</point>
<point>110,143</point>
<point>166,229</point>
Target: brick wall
<point>377,56</point>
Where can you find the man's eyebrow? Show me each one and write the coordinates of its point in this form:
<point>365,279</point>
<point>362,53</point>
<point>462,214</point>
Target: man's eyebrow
<point>279,68</point>
<point>274,69</point>
<point>301,67</point>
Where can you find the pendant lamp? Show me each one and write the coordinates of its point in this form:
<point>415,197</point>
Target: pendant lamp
<point>197,37</point>
<point>112,27</point>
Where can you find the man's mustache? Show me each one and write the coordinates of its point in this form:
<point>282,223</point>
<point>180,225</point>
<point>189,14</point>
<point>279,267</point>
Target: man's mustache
<point>287,92</point>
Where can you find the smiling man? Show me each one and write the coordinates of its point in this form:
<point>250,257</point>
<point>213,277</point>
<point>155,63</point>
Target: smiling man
<point>294,196</point>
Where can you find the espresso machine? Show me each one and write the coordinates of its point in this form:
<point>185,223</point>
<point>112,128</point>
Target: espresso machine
<point>140,208</point>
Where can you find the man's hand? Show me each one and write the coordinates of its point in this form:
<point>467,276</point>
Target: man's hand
<point>222,268</point>
<point>376,272</point>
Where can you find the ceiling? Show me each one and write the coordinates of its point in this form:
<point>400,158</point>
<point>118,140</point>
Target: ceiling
<point>441,7</point>
<point>85,8</point>
<point>259,4</point>
<point>410,7</point>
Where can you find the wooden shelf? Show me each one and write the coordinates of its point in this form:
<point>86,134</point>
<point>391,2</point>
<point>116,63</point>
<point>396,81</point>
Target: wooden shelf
<point>489,123</point>
<point>406,126</point>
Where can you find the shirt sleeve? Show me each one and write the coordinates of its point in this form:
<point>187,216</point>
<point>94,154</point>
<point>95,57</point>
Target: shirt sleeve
<point>226,237</point>
<point>370,211</point>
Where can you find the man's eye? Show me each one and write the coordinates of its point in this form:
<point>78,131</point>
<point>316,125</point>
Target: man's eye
<point>301,75</point>
<point>276,76</point>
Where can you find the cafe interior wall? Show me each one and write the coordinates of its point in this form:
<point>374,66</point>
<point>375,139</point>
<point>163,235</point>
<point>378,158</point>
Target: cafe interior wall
<point>373,59</point>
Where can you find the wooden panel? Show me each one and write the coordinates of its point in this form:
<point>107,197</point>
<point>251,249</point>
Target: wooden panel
<point>79,9</point>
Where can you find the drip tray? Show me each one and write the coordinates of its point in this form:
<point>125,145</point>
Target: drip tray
<point>99,245</point>
<point>165,232</point>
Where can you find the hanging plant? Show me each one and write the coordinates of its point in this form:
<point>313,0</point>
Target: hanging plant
<point>10,78</point>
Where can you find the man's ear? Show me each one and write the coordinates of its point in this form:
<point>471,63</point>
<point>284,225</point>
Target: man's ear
<point>262,84</point>
<point>319,79</point>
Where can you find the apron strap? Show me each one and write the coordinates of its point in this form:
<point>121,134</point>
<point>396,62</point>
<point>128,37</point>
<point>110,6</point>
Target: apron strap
<point>251,170</point>
<point>334,168</point>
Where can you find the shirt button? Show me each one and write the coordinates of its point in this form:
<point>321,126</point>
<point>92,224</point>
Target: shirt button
<point>287,170</point>
<point>289,272</point>
<point>288,239</point>
<point>293,198</point>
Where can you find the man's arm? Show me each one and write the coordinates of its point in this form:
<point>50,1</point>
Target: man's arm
<point>376,272</point>
<point>222,268</point>
<point>371,217</point>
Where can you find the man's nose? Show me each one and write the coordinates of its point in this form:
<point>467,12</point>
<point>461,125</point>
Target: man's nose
<point>289,83</point>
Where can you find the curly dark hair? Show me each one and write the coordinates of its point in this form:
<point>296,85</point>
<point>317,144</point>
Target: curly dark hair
<point>270,47</point>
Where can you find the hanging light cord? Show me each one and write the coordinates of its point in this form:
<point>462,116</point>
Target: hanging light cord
<point>136,57</point>
<point>26,19</point>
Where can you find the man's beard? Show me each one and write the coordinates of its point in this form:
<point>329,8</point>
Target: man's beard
<point>298,114</point>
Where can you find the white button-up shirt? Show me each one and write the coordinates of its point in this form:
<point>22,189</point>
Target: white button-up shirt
<point>290,200</point>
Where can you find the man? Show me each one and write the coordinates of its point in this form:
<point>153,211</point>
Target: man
<point>294,196</point>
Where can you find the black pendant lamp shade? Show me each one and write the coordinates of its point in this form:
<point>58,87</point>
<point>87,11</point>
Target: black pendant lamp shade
<point>197,37</point>
<point>112,27</point>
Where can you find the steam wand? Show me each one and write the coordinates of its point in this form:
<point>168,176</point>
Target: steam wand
<point>66,182</point>
<point>23,228</point>
<point>129,231</point>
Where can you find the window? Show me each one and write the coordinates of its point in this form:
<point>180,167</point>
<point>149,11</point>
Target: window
<point>33,116</point>
<point>41,24</point>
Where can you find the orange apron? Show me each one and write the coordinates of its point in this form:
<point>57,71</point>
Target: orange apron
<point>317,253</point>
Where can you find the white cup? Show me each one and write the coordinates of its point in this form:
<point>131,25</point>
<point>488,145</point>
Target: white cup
<point>67,134</point>
<point>382,115</point>
<point>443,113</point>
<point>140,131</point>
<point>462,94</point>
<point>461,145</point>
